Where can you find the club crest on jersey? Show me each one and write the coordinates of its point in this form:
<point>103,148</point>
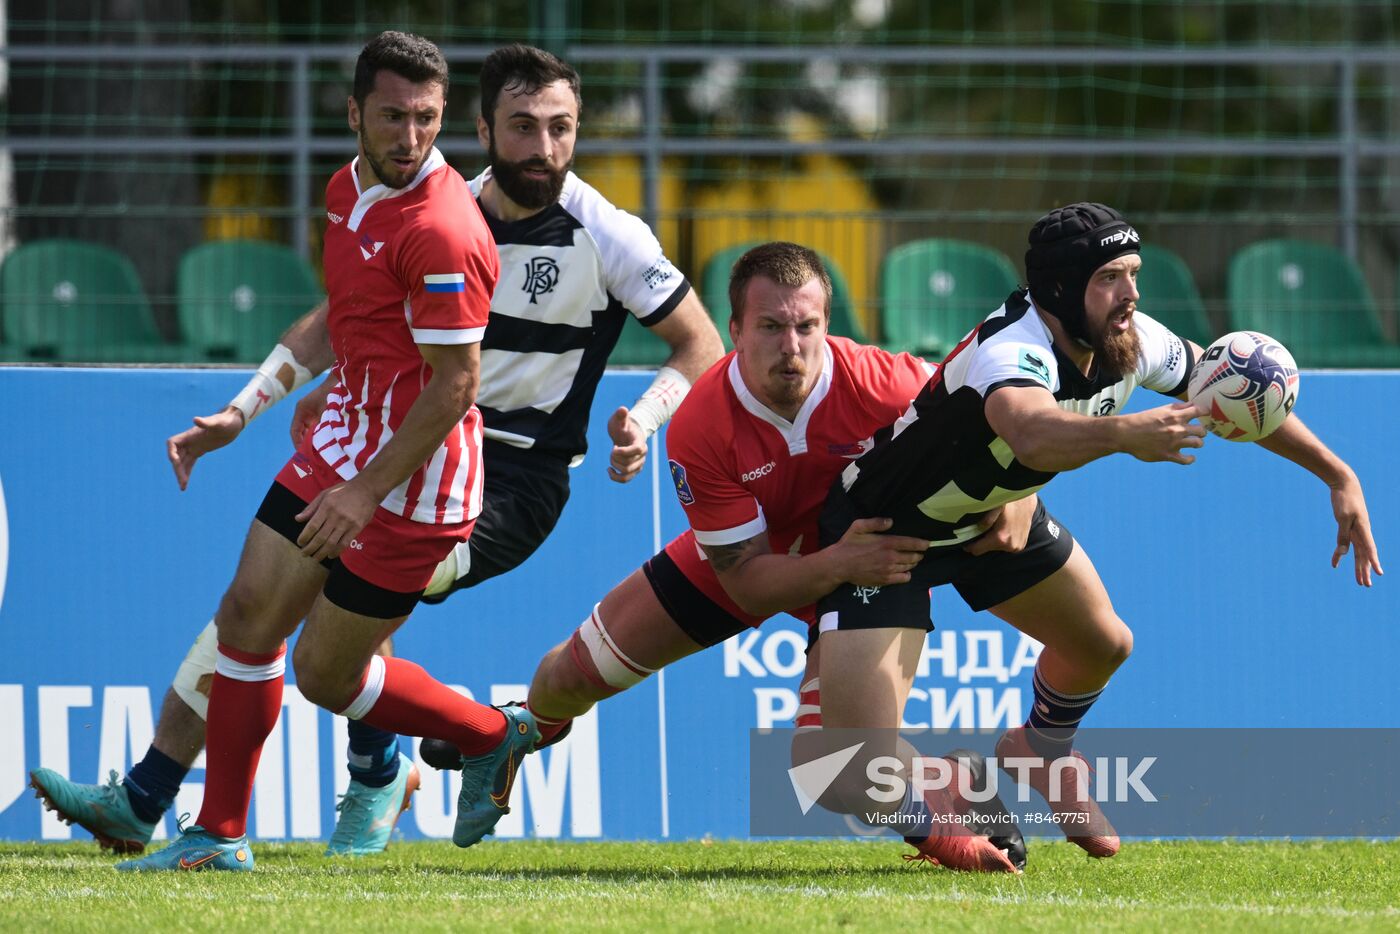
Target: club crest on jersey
<point>1030,361</point>
<point>682,487</point>
<point>541,276</point>
<point>369,249</point>
<point>302,465</point>
<point>853,450</point>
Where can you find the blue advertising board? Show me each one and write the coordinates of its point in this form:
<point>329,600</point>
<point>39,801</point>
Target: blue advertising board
<point>108,571</point>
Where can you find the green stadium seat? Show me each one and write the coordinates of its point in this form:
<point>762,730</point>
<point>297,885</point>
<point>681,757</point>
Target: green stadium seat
<point>1169,295</point>
<point>935,291</point>
<point>714,291</point>
<point>1313,299</point>
<point>638,346</point>
<point>237,297</point>
<point>65,300</point>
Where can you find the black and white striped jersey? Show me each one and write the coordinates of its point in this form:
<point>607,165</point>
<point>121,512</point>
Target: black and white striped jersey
<point>942,467</point>
<point>570,276</point>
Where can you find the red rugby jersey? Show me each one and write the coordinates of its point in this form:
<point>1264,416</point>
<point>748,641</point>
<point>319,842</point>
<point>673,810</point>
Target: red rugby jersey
<point>741,469</point>
<point>408,266</point>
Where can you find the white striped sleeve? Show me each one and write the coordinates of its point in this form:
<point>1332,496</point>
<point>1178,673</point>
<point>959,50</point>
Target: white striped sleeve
<point>730,536</point>
<point>462,336</point>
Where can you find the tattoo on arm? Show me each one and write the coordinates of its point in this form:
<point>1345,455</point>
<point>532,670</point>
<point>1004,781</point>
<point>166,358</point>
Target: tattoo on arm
<point>727,557</point>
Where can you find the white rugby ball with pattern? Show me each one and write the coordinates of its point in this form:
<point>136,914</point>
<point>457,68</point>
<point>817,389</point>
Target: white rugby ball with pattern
<point>1247,383</point>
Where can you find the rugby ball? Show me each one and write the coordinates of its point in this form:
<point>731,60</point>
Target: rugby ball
<point>1246,383</point>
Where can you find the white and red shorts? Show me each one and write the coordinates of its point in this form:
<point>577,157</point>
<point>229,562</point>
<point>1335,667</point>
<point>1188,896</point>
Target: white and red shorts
<point>392,553</point>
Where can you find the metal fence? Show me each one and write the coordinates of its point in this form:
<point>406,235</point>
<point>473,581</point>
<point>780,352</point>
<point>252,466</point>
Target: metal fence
<point>1338,147</point>
<point>1346,144</point>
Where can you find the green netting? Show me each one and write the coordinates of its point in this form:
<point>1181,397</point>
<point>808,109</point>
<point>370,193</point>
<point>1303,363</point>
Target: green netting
<point>1148,23</point>
<point>1213,125</point>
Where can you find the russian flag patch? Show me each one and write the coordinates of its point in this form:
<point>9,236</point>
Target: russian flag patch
<point>446,282</point>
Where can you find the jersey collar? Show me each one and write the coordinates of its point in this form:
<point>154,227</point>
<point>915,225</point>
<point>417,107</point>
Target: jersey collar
<point>794,432</point>
<point>377,193</point>
<point>1071,377</point>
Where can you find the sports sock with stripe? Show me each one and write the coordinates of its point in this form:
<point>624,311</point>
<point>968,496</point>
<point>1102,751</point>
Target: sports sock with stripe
<point>244,704</point>
<point>914,822</point>
<point>373,756</point>
<point>1055,717</point>
<point>400,696</point>
<point>153,783</point>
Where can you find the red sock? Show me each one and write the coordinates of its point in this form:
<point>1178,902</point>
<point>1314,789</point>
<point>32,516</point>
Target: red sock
<point>244,703</point>
<point>411,702</point>
<point>549,727</point>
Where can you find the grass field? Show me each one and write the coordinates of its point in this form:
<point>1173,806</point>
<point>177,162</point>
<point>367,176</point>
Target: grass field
<point>797,885</point>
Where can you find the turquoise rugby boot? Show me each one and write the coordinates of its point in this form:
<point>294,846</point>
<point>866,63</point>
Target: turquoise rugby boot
<point>487,779</point>
<point>365,816</point>
<point>195,850</point>
<point>102,810</point>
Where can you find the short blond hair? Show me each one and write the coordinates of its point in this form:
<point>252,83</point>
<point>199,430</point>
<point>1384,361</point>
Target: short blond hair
<point>790,265</point>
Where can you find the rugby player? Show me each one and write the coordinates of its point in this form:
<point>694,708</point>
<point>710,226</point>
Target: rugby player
<point>753,451</point>
<point>1034,390</point>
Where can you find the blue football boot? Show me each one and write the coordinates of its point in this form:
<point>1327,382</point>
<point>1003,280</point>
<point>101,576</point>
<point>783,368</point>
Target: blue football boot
<point>365,816</point>
<point>487,779</point>
<point>194,850</point>
<point>102,810</point>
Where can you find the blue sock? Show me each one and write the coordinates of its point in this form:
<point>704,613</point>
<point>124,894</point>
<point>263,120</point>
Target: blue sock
<point>1055,717</point>
<point>914,823</point>
<point>152,784</point>
<point>374,754</point>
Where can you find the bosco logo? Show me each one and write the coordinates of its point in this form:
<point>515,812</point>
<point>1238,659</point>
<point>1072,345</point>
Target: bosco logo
<point>757,472</point>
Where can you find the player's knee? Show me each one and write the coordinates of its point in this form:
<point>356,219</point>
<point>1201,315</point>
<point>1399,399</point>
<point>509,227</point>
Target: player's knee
<point>237,609</point>
<point>321,682</point>
<point>596,667</point>
<point>244,619</point>
<point>562,677</point>
<point>1116,646</point>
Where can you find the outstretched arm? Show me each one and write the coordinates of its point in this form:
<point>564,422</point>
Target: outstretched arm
<point>1294,441</point>
<point>695,346</point>
<point>1047,438</point>
<point>304,351</point>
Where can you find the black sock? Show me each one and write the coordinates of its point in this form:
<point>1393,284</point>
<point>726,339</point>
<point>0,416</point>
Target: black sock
<point>152,784</point>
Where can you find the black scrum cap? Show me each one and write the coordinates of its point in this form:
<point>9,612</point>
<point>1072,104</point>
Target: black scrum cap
<point>1066,247</point>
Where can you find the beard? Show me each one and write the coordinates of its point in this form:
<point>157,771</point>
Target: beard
<point>789,392</point>
<point>1116,352</point>
<point>387,174</point>
<point>531,193</point>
